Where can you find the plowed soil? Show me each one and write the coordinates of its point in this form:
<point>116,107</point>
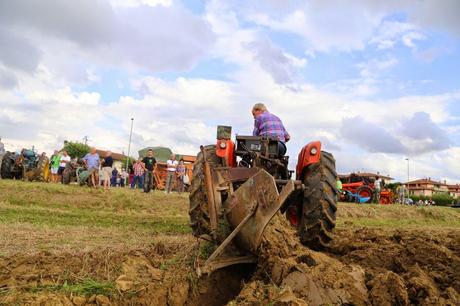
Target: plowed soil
<point>363,267</point>
<point>375,259</point>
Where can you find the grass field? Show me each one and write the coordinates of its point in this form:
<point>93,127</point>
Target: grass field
<point>37,216</point>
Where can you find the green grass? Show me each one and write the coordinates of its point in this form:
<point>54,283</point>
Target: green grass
<point>39,215</point>
<point>86,287</point>
<point>56,205</point>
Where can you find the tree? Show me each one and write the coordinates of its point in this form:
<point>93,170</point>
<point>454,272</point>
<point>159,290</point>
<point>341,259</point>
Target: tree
<point>76,149</point>
<point>131,161</point>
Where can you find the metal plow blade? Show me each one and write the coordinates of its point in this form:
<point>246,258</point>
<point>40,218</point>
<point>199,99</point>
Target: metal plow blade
<point>248,210</point>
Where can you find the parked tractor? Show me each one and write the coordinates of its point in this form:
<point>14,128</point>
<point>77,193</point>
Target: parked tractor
<point>237,188</point>
<point>26,165</point>
<point>75,172</point>
<point>359,188</point>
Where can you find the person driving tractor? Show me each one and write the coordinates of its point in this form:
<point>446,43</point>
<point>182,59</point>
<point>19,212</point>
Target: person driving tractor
<point>267,124</point>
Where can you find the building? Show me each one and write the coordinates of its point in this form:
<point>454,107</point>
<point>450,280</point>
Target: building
<point>427,187</point>
<point>119,160</point>
<point>454,191</point>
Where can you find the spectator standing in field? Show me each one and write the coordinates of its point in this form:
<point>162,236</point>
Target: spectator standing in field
<point>107,164</point>
<point>377,186</point>
<point>180,173</point>
<point>2,151</point>
<point>150,165</point>
<point>131,174</point>
<point>123,176</point>
<point>138,174</point>
<point>113,180</point>
<point>339,185</point>
<point>171,169</point>
<point>2,147</point>
<point>92,162</point>
<point>65,158</point>
<point>54,166</point>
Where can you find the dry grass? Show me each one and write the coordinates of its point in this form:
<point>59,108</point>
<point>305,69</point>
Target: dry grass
<point>397,216</point>
<point>48,217</point>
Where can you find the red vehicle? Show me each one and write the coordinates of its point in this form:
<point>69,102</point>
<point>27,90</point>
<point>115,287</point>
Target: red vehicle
<point>359,187</point>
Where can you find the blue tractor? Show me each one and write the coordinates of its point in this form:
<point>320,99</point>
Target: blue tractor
<point>25,165</point>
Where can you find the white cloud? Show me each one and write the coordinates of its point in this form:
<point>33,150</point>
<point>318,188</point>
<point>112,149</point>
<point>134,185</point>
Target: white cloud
<point>164,37</point>
<point>134,3</point>
<point>182,112</point>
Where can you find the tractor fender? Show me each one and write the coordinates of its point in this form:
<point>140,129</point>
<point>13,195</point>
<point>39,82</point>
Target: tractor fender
<point>310,154</point>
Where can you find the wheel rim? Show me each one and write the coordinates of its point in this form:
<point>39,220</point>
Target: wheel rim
<point>365,193</point>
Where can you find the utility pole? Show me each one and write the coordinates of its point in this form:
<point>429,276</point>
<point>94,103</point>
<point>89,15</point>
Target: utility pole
<point>407,184</point>
<point>129,143</point>
<point>408,177</point>
<point>85,139</point>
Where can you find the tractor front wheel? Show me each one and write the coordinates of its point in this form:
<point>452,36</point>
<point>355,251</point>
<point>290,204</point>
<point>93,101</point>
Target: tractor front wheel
<point>319,203</point>
<point>199,215</point>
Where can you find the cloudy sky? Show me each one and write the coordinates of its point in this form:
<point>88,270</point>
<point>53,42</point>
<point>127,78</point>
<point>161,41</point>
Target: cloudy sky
<point>376,81</point>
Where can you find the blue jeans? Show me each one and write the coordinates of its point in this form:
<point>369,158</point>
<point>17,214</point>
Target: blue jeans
<point>139,180</point>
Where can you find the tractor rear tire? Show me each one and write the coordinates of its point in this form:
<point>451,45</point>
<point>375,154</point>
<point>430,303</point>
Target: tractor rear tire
<point>42,167</point>
<point>319,203</point>
<point>7,165</point>
<point>366,192</point>
<point>199,215</point>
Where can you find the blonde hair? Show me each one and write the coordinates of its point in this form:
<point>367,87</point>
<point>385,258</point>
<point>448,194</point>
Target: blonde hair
<point>259,106</point>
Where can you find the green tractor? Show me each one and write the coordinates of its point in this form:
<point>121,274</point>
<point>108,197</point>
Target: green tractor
<point>75,171</point>
<point>27,165</point>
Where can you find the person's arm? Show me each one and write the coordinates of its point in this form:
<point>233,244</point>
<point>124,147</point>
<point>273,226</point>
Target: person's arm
<point>256,130</point>
<point>287,137</point>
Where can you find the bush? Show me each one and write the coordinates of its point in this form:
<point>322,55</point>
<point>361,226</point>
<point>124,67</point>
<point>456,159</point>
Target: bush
<point>76,149</point>
<point>441,199</point>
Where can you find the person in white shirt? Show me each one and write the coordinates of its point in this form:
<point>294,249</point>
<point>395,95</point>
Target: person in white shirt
<point>171,177</point>
<point>65,158</point>
<point>377,186</point>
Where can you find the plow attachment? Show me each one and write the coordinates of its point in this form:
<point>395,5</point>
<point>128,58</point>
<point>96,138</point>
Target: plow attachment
<point>248,210</point>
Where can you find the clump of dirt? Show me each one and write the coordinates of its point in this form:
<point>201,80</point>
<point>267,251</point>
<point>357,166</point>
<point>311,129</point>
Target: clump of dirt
<point>161,274</point>
<point>404,266</point>
<point>363,267</point>
<point>292,274</point>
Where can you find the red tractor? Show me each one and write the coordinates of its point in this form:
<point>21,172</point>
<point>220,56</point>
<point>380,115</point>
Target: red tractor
<point>359,188</point>
<point>238,187</point>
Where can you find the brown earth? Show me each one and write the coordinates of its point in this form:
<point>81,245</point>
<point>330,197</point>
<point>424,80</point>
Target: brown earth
<point>364,266</point>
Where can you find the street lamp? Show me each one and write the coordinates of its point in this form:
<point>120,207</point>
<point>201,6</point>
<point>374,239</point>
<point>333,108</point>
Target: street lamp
<point>407,169</point>
<point>129,143</point>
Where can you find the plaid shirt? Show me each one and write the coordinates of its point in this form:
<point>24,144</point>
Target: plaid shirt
<point>138,169</point>
<point>269,125</point>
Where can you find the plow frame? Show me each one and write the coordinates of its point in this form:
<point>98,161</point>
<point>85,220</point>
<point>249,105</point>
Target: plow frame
<point>248,209</point>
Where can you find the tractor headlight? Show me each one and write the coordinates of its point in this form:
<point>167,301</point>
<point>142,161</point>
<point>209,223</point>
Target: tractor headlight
<point>223,145</point>
<point>313,151</point>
